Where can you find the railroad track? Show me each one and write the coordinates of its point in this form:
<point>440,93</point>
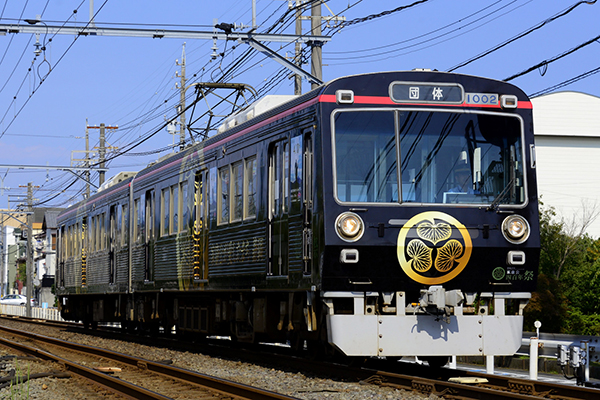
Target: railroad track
<point>411,377</point>
<point>130,376</point>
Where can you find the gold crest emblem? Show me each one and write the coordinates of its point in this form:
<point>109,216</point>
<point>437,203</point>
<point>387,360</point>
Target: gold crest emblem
<point>433,247</point>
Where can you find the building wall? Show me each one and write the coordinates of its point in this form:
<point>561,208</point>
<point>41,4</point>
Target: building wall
<point>567,136</point>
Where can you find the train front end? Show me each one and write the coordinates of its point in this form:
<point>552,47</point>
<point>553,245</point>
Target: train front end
<point>430,214</point>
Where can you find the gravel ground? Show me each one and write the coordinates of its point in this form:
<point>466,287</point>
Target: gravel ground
<point>293,384</point>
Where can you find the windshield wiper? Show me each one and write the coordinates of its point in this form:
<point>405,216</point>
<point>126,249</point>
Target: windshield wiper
<point>495,206</point>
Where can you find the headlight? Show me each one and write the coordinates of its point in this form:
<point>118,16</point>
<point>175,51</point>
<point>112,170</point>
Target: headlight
<point>349,227</point>
<point>515,229</point>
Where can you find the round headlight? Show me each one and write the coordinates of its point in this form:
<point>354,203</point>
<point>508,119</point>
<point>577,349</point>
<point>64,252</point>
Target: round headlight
<point>349,227</point>
<point>515,229</point>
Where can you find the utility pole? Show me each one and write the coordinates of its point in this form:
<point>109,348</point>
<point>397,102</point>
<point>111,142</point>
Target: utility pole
<point>29,265</point>
<point>102,153</point>
<point>2,245</point>
<point>87,160</point>
<point>181,107</point>
<point>101,150</point>
<point>298,48</point>
<point>316,66</point>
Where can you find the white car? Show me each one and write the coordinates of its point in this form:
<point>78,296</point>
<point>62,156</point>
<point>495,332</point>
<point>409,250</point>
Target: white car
<point>15,300</point>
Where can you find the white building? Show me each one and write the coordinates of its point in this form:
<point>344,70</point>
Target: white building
<point>567,137</point>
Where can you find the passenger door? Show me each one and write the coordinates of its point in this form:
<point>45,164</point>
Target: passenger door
<point>149,239</point>
<point>200,272</point>
<point>279,192</point>
<point>112,244</point>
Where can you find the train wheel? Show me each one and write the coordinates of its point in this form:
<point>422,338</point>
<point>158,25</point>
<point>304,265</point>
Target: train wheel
<point>296,342</point>
<point>437,361</point>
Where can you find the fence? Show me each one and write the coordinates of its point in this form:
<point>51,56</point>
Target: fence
<point>36,312</point>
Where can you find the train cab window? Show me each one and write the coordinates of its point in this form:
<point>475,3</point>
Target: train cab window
<point>365,157</point>
<point>250,188</point>
<point>237,198</point>
<point>165,211</point>
<point>455,157</point>
<point>223,201</point>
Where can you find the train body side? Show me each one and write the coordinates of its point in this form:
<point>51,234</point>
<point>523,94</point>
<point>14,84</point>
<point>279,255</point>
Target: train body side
<point>175,245</point>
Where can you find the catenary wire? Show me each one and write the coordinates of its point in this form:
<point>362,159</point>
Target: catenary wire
<point>551,60</point>
<point>521,35</point>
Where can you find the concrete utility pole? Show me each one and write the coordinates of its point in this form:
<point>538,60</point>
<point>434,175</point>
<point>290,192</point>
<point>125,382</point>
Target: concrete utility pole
<point>2,262</point>
<point>316,66</point>
<point>29,265</point>
<point>102,153</point>
<point>316,19</point>
<point>101,150</point>
<point>298,48</point>
<point>181,108</point>
<point>87,161</point>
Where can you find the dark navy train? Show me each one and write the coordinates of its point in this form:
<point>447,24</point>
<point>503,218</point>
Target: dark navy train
<point>384,214</point>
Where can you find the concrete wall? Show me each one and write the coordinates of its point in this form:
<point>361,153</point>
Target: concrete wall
<point>567,135</point>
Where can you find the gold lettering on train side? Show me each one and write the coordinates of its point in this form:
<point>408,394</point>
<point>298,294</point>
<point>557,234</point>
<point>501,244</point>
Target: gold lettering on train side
<point>186,264</point>
<point>83,256</point>
<point>433,247</point>
<point>197,245</point>
<point>244,251</point>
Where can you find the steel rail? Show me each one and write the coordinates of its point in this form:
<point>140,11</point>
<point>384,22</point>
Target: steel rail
<point>381,372</point>
<point>107,382</point>
<point>213,383</point>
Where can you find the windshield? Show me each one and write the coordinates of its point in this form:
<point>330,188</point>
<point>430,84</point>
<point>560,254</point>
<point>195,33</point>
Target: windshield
<point>445,157</point>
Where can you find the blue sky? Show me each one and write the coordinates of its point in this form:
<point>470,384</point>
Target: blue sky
<point>130,82</point>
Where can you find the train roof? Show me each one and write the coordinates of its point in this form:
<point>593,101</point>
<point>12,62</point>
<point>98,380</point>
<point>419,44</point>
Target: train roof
<point>368,84</point>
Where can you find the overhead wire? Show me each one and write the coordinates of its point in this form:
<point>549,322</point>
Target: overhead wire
<point>441,35</point>
<point>42,81</point>
<point>521,35</point>
<point>419,36</point>
<point>551,60</point>
<point>566,82</point>
<point>462,33</point>
<point>11,38</point>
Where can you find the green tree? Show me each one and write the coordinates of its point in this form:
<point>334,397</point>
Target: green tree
<point>569,275</point>
<point>548,305</point>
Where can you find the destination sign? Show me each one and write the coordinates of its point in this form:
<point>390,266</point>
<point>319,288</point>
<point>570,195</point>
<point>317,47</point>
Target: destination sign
<point>410,92</point>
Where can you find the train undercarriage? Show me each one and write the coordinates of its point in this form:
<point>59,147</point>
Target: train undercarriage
<point>439,323</point>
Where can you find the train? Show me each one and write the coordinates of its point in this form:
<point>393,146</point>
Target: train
<point>383,214</point>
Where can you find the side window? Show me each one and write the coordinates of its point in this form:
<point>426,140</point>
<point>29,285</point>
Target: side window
<point>176,209</point>
<point>165,210</point>
<point>119,230</point>
<point>185,202</point>
<point>223,201</point>
<point>286,177</point>
<point>250,188</point>
<point>237,198</point>
<point>124,224</point>
<point>91,234</point>
<point>212,196</point>
<point>103,230</point>
<point>296,174</point>
<point>148,217</point>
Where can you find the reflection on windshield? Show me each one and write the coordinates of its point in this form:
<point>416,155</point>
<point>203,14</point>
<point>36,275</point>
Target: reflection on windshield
<point>446,157</point>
